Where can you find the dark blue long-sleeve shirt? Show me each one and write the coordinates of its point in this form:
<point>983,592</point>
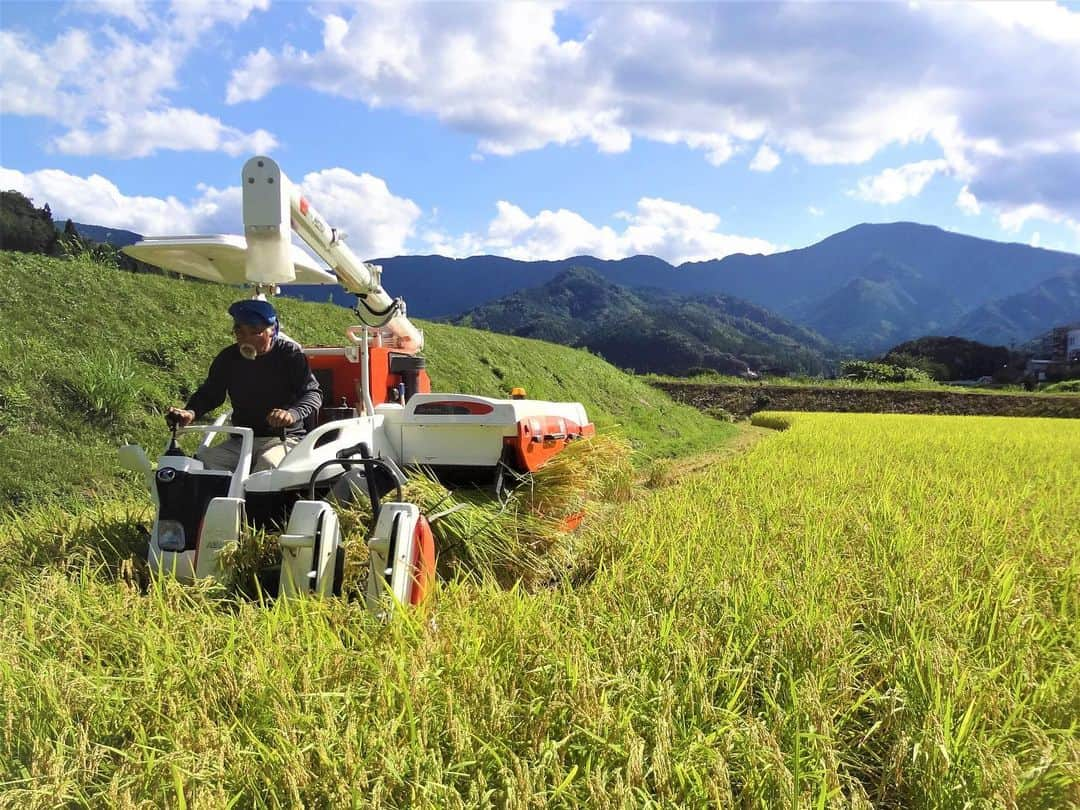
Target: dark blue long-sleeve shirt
<point>281,378</point>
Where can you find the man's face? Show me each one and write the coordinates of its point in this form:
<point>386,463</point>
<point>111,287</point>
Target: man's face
<point>258,338</point>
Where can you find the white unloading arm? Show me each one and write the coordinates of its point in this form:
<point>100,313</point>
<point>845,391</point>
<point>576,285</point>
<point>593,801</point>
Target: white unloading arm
<point>273,208</point>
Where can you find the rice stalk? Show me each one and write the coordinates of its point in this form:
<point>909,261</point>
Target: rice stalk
<point>593,470</point>
<point>522,538</point>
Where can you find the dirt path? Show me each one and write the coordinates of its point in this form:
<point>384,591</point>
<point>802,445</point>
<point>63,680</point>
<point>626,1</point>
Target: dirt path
<point>673,471</point>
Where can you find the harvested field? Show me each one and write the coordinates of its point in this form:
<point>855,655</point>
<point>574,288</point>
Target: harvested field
<point>743,400</point>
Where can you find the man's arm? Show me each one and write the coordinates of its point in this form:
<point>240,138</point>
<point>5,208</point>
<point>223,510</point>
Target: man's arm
<point>309,395</point>
<point>211,393</point>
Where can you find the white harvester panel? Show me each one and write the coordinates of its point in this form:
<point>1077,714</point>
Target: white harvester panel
<point>392,554</point>
<point>321,444</point>
<point>466,430</point>
<point>220,530</point>
<point>221,258</point>
<point>309,550</point>
<point>266,223</point>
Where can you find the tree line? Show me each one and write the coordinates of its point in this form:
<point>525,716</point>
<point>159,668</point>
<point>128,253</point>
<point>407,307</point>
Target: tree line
<point>28,229</point>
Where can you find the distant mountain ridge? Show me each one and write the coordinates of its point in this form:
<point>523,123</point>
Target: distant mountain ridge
<point>863,289</point>
<point>117,237</point>
<point>1018,318</point>
<point>652,330</point>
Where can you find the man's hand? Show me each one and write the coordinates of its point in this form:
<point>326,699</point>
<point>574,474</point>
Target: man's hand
<point>280,418</point>
<point>178,417</point>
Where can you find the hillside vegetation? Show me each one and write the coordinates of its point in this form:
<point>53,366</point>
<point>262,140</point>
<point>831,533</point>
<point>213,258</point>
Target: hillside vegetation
<point>92,356</point>
<point>654,330</point>
<point>863,611</point>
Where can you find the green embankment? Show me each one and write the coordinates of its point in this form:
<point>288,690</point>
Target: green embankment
<point>861,611</point>
<point>91,356</point>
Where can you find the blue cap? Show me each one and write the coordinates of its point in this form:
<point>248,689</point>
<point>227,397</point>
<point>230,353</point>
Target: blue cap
<point>253,312</point>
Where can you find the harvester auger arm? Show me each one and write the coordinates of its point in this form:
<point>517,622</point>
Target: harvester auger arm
<point>273,209</point>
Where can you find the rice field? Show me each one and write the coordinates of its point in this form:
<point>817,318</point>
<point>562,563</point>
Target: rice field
<point>860,611</point>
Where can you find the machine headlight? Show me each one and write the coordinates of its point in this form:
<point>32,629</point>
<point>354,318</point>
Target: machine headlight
<point>171,535</point>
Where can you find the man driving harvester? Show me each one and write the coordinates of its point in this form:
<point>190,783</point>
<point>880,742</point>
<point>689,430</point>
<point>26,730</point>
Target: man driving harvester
<point>269,384</point>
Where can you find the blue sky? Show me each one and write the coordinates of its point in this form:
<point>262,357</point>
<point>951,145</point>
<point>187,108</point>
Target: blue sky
<point>688,131</point>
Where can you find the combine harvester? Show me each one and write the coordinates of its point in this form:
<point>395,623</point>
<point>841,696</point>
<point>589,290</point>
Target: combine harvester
<point>379,417</point>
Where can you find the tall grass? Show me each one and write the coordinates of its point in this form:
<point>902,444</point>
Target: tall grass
<point>861,611</point>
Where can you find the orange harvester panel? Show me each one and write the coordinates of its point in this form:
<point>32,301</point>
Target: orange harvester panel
<point>423,563</point>
<point>541,437</point>
<point>345,376</point>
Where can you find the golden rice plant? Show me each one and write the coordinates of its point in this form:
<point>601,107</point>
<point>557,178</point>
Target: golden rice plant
<point>255,550</point>
<point>523,537</point>
<point>593,470</point>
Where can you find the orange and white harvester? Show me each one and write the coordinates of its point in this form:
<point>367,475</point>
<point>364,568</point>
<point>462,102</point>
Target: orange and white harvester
<point>379,418</point>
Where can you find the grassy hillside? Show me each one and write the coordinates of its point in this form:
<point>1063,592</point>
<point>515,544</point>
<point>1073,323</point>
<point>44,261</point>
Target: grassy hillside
<point>91,356</point>
<point>862,611</point>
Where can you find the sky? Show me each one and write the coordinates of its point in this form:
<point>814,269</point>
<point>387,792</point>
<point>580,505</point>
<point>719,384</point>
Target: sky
<point>687,131</point>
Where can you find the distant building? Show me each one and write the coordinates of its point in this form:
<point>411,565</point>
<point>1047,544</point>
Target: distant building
<point>1062,344</point>
<point>1072,345</point>
<point>1060,359</point>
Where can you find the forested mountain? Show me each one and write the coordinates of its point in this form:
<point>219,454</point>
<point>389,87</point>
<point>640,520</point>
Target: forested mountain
<point>117,237</point>
<point>1018,318</point>
<point>653,330</point>
<point>887,302</point>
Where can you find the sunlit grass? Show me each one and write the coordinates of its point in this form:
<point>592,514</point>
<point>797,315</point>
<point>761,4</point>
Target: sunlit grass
<point>860,611</point>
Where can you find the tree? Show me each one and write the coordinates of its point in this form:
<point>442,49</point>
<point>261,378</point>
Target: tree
<point>23,227</point>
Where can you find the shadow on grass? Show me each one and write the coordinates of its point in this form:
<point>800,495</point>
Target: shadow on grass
<point>108,537</point>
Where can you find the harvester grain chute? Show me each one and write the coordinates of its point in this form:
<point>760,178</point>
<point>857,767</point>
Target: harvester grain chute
<point>379,418</point>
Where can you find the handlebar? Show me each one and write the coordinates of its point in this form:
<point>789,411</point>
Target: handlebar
<point>344,459</point>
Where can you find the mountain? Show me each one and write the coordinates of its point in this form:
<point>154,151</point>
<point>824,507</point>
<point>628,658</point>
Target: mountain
<point>440,287</point>
<point>1019,318</point>
<point>864,288</point>
<point>653,330</point>
<point>974,271</point>
<point>116,237</point>
<point>886,302</point>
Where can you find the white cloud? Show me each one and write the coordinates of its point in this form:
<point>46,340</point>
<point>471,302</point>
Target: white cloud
<point>832,83</point>
<point>967,202</point>
<point>377,221</point>
<point>144,133</point>
<point>110,91</point>
<point>765,160</point>
<point>1047,21</point>
<point>99,201</point>
<point>1013,219</point>
<point>1036,238</point>
<point>814,211</point>
<point>380,223</point>
<point>137,12</point>
<point>894,185</point>
<point>673,231</point>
